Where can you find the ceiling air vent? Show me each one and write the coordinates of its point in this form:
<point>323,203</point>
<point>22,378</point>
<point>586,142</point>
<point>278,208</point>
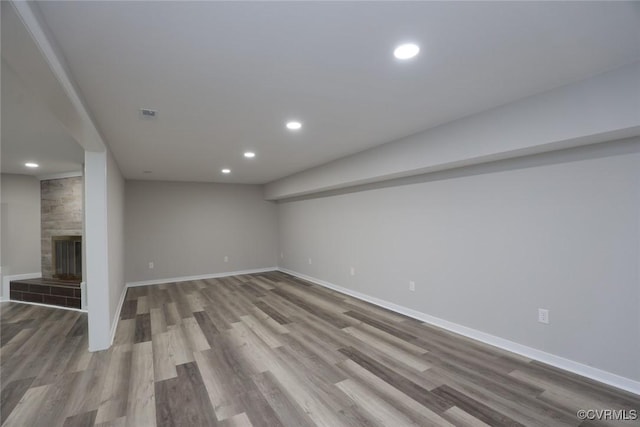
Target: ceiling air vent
<point>148,114</point>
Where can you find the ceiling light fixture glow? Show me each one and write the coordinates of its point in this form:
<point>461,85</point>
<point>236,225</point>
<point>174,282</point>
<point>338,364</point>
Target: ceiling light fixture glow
<point>406,51</point>
<point>249,154</point>
<point>226,170</point>
<point>31,165</point>
<point>294,125</point>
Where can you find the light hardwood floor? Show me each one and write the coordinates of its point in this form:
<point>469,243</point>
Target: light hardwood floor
<point>271,350</point>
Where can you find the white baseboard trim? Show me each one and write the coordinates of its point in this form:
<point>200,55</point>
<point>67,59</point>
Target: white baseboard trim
<point>116,317</point>
<point>529,352</point>
<point>6,282</point>
<point>47,305</point>
<point>200,277</point>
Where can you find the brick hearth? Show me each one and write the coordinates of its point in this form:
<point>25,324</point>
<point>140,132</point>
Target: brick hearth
<point>47,291</point>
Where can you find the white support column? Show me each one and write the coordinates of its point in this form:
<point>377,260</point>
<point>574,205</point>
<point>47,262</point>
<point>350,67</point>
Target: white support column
<point>96,249</point>
<point>76,119</point>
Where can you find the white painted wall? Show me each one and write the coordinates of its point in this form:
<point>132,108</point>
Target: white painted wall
<point>115,236</point>
<point>104,249</point>
<point>20,225</point>
<point>602,108</point>
<point>96,249</point>
<point>186,229</point>
<point>488,245</point>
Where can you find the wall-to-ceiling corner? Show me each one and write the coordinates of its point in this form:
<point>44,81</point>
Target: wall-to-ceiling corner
<point>487,246</point>
<point>602,108</point>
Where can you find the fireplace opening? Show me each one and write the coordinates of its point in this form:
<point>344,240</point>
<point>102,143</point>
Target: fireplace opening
<point>66,258</point>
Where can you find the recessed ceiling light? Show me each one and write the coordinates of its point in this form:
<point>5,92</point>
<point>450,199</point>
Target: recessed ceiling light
<point>294,125</point>
<point>31,165</point>
<point>406,51</point>
<point>226,170</point>
<point>249,154</point>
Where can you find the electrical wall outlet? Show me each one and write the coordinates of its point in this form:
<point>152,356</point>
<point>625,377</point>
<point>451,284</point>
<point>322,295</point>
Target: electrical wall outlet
<point>281,255</point>
<point>543,315</point>
<point>412,286</point>
<point>310,261</point>
<point>151,265</point>
<point>226,258</point>
<point>353,271</point>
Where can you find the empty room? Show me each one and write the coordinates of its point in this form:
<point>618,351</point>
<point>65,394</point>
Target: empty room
<point>315,213</point>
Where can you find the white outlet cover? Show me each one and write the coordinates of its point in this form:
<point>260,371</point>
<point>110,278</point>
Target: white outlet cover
<point>353,271</point>
<point>310,261</point>
<point>151,265</point>
<point>412,285</point>
<point>226,259</point>
<point>543,315</point>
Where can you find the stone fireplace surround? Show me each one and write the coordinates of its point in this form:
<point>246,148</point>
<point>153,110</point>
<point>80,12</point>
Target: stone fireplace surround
<point>60,214</point>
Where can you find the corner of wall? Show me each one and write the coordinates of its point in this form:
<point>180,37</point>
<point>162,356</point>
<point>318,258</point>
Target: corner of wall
<point>116,317</point>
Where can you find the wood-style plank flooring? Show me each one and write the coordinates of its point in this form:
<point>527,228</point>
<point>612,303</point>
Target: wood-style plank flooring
<point>272,350</point>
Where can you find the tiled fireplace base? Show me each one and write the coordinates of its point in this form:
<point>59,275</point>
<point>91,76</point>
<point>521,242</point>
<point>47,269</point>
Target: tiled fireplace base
<point>46,291</point>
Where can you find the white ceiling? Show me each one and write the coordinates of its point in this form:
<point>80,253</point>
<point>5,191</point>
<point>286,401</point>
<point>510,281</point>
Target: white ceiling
<point>31,133</point>
<point>225,76</point>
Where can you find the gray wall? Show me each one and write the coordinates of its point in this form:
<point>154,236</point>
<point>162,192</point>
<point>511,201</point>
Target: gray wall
<point>115,234</point>
<point>20,197</point>
<point>186,229</point>
<point>488,245</point>
<point>61,214</point>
